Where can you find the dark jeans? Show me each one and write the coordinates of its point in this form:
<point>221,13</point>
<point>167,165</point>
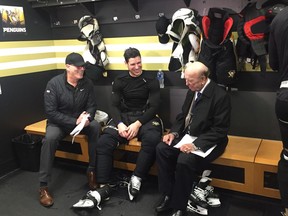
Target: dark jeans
<point>178,171</point>
<point>51,141</point>
<point>149,135</point>
<point>281,109</point>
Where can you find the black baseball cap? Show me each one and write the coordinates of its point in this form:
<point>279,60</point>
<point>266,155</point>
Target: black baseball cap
<point>161,28</point>
<point>75,59</point>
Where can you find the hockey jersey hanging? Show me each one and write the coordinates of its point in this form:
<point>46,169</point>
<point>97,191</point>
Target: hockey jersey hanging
<point>253,31</point>
<point>94,52</point>
<point>185,34</point>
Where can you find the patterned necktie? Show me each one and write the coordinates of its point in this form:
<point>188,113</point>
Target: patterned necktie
<point>190,113</point>
<point>199,94</point>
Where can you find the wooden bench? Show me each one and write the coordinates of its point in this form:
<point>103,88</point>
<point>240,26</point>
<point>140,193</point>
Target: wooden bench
<point>240,152</point>
<point>39,128</point>
<point>266,163</point>
<point>133,146</point>
<point>250,156</point>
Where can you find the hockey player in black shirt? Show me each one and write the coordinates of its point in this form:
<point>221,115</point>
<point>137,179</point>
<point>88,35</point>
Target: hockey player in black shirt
<point>135,103</point>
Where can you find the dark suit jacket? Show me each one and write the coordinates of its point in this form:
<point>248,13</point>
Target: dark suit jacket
<point>211,117</point>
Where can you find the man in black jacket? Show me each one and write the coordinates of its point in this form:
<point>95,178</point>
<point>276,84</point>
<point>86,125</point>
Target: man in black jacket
<point>205,117</point>
<point>135,102</point>
<point>69,100</point>
<point>278,60</point>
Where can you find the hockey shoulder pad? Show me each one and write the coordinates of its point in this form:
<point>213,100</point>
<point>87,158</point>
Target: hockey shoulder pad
<point>217,25</point>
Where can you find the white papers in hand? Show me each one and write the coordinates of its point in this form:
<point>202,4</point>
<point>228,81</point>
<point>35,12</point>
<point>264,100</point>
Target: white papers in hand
<point>79,127</point>
<point>190,139</point>
<point>186,139</point>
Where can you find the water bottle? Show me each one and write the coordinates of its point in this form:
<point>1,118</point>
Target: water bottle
<point>160,77</point>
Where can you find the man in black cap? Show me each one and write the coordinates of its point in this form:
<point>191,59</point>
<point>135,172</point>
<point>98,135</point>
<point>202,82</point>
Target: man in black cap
<point>69,100</point>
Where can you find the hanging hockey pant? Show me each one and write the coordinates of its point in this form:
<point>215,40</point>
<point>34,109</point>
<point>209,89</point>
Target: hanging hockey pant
<point>221,61</point>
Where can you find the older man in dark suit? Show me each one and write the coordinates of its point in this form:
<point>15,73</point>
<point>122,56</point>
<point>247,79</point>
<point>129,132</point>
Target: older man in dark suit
<point>205,117</point>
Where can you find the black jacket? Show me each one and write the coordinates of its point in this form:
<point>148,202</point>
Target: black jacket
<point>278,44</point>
<point>211,117</point>
<point>64,103</point>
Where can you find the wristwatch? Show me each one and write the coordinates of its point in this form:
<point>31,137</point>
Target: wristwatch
<point>176,135</point>
<point>195,147</point>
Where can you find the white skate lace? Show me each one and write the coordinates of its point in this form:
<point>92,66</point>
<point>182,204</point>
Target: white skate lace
<point>209,188</point>
<point>200,193</point>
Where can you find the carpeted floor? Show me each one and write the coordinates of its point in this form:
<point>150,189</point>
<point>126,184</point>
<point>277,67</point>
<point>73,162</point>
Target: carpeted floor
<point>19,197</point>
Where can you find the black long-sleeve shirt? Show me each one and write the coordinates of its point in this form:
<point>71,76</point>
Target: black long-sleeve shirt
<point>135,94</point>
<point>278,44</point>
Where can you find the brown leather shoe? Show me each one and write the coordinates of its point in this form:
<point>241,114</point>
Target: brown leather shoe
<point>46,199</point>
<point>91,176</point>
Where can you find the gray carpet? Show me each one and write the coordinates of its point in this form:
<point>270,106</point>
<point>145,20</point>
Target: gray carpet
<point>19,197</point>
